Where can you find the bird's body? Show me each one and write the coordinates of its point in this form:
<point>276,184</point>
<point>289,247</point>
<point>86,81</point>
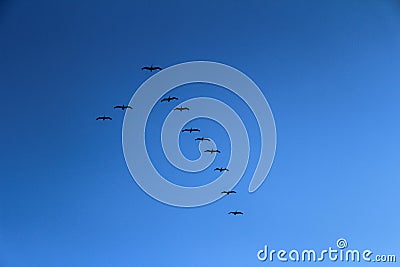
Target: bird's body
<point>190,130</point>
<point>202,139</point>
<point>221,169</point>
<point>236,212</point>
<point>123,107</point>
<point>181,108</point>
<point>169,99</point>
<point>151,68</point>
<point>103,118</point>
<point>212,151</point>
<point>228,192</point>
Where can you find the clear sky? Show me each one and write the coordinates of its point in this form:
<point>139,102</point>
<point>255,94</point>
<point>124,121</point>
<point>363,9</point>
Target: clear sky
<point>329,70</point>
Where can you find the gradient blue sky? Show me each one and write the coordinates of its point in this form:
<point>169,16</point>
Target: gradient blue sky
<point>329,69</point>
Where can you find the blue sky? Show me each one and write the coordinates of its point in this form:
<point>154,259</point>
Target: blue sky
<point>329,70</point>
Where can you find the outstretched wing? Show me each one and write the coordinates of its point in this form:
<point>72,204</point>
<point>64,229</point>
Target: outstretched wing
<point>157,68</point>
<point>118,107</point>
<point>145,68</point>
<point>164,99</point>
<point>128,107</point>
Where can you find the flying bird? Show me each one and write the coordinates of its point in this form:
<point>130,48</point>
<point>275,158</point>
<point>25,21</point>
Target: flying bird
<point>228,192</point>
<point>202,139</point>
<point>151,68</point>
<point>190,130</point>
<point>169,98</point>
<point>221,169</point>
<point>123,107</point>
<point>103,118</point>
<point>212,151</point>
<point>236,212</point>
<point>181,108</point>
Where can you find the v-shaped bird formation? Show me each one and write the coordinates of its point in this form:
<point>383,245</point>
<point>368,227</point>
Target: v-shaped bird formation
<point>167,100</point>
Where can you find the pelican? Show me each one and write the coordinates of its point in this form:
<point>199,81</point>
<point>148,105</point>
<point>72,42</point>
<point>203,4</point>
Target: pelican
<point>123,107</point>
<point>191,130</point>
<point>169,99</point>
<point>151,68</point>
<point>236,212</point>
<point>228,192</point>
<point>103,118</point>
<point>212,151</point>
<point>181,108</point>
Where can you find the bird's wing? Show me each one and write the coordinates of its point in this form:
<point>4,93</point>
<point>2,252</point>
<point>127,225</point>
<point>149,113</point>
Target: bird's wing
<point>164,99</point>
<point>98,118</point>
<point>129,107</point>
<point>157,68</point>
<point>145,68</point>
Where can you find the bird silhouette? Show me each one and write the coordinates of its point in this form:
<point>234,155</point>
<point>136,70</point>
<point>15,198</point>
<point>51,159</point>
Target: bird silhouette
<point>212,151</point>
<point>221,169</point>
<point>191,130</point>
<point>228,192</point>
<point>236,212</point>
<point>181,108</point>
<point>169,99</point>
<point>151,68</point>
<point>103,118</point>
<point>123,107</point>
<point>202,139</point>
